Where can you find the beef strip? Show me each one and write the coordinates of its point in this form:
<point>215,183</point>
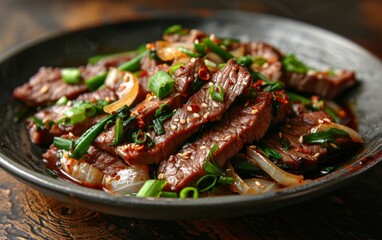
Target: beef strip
<point>301,156</point>
<point>272,68</point>
<point>199,109</point>
<point>189,37</point>
<point>145,111</point>
<point>322,84</point>
<point>241,125</point>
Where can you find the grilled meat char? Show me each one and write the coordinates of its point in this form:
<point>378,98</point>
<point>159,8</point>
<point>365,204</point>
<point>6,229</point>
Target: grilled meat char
<point>242,124</point>
<point>299,156</point>
<point>199,109</point>
<point>184,76</point>
<point>322,84</point>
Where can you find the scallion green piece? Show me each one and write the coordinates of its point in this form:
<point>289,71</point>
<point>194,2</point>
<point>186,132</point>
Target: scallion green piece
<point>210,167</point>
<point>259,60</point>
<point>245,60</point>
<point>71,75</point>
<point>173,29</point>
<point>188,52</point>
<point>329,135</point>
<point>166,194</point>
<point>62,101</point>
<point>140,137</point>
<point>40,125</point>
<point>269,152</point>
<point>200,48</point>
<point>118,131</point>
<point>96,81</point>
<point>189,192</point>
<point>152,188</point>
<point>269,85</point>
<point>292,64</point>
<point>158,127</point>
<point>63,143</point>
<point>161,84</point>
<point>97,58</point>
<point>218,50</point>
<point>206,183</point>
<point>225,180</point>
<point>175,67</point>
<point>133,64</point>
<point>217,93</point>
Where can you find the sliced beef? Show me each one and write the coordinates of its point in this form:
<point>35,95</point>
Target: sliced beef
<point>322,84</point>
<point>145,110</point>
<point>189,36</point>
<point>272,67</point>
<point>241,125</point>
<point>281,107</point>
<point>297,155</point>
<point>199,109</point>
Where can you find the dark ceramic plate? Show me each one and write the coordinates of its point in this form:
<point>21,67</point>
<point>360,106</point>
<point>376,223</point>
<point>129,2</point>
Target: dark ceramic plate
<point>317,47</point>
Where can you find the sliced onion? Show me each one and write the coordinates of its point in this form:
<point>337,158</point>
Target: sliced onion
<point>213,67</point>
<point>168,51</point>
<point>180,60</point>
<point>238,52</point>
<point>128,89</point>
<point>279,175</point>
<point>354,135</point>
<point>214,58</point>
<point>81,171</point>
<point>252,185</point>
<point>129,180</point>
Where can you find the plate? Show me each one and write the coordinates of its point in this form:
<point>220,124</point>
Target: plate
<point>317,47</point>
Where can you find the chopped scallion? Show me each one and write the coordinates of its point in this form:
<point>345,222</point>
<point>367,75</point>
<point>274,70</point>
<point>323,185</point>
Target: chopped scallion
<point>188,52</point>
<point>63,143</point>
<point>118,131</point>
<point>206,183</point>
<point>292,64</point>
<point>96,81</point>
<point>161,84</point>
<point>329,135</point>
<point>175,67</point>
<point>218,50</point>
<point>71,75</point>
<point>152,188</point>
<point>217,92</point>
<point>189,192</point>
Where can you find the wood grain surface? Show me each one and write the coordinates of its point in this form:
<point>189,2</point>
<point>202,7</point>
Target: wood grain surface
<point>352,212</point>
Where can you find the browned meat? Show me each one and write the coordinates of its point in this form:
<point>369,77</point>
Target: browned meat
<point>281,107</point>
<point>199,109</point>
<point>241,125</point>
<point>272,68</point>
<point>189,37</point>
<point>45,87</point>
<point>323,84</point>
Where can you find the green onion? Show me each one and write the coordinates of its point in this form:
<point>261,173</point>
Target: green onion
<point>259,60</point>
<point>329,135</point>
<point>188,52</point>
<point>218,50</point>
<point>200,48</point>
<point>227,41</point>
<point>71,75</point>
<point>166,194</point>
<point>52,173</point>
<point>152,188</point>
<point>210,165</point>
<point>221,65</point>
<point>163,110</point>
<point>175,67</point>
<point>73,116</point>
<point>269,85</point>
<point>269,152</point>
<point>189,192</point>
<point>118,129</point>
<point>140,137</point>
<point>196,84</point>
<point>83,143</point>
<point>21,113</point>
<point>226,180</point>
<point>292,64</point>
<point>40,125</point>
<point>158,127</point>
<point>174,29</point>
<point>217,95</point>
<point>96,81</point>
<point>161,84</point>
<point>133,64</point>
<point>285,143</point>
<point>333,114</point>
<point>245,60</point>
<point>243,165</point>
<point>95,59</point>
<point>62,101</point>
<point>206,183</point>
<point>63,143</point>
<point>295,97</point>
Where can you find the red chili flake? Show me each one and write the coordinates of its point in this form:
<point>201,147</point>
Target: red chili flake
<point>204,74</point>
<point>143,73</point>
<point>257,84</point>
<point>139,147</point>
<point>117,177</point>
<point>280,97</point>
<point>141,123</point>
<point>140,108</point>
<point>150,46</point>
<point>195,108</point>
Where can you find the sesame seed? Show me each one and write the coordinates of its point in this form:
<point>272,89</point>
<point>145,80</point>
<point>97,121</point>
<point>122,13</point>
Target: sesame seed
<point>252,147</point>
<point>316,155</point>
<point>265,65</point>
<point>246,104</point>
<point>196,115</point>
<point>182,121</point>
<point>185,157</point>
<point>187,153</point>
<point>216,139</point>
<point>320,121</point>
<point>202,147</point>
<point>210,83</point>
<point>150,98</point>
<point>189,108</point>
<point>173,127</point>
<point>227,137</point>
<point>244,83</point>
<point>333,145</point>
<point>254,111</point>
<point>258,183</point>
<point>160,176</point>
<point>176,120</point>
<point>192,60</point>
<point>280,134</point>
<point>204,105</point>
<point>301,139</point>
<point>215,104</point>
<point>44,89</point>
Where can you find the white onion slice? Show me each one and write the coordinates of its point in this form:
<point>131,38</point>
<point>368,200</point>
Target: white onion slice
<point>81,171</point>
<point>252,185</point>
<point>279,175</point>
<point>129,180</point>
<point>128,89</point>
<point>325,126</point>
<point>168,51</point>
<point>238,52</point>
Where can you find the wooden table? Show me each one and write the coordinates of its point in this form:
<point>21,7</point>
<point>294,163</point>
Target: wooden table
<point>353,212</point>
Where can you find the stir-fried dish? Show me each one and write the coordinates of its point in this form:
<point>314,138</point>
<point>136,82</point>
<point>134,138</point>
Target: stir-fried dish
<point>191,115</point>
